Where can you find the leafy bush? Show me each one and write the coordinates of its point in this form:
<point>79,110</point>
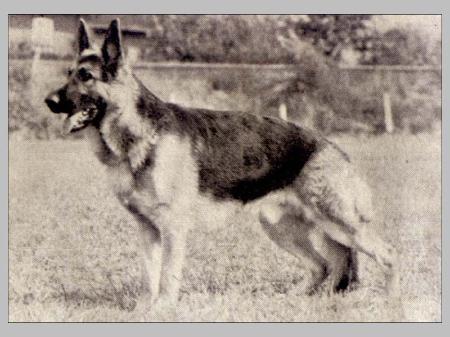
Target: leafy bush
<point>20,49</point>
<point>25,114</point>
<point>19,103</point>
<point>316,94</point>
<point>336,100</point>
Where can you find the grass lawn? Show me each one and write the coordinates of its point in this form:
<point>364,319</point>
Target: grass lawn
<point>73,250</point>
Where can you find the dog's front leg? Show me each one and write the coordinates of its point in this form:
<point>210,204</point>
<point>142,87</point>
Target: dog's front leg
<point>173,242</point>
<point>150,240</point>
<point>166,227</point>
<point>151,247</point>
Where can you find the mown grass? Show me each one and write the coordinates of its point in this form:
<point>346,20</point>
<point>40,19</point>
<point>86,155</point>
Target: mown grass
<point>73,250</point>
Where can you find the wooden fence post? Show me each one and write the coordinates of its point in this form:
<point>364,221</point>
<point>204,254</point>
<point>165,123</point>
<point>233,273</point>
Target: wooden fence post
<point>387,110</point>
<point>282,111</point>
<point>42,37</point>
<point>388,120</point>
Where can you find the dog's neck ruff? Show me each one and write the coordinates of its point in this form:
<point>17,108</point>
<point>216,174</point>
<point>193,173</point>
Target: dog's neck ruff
<point>124,138</point>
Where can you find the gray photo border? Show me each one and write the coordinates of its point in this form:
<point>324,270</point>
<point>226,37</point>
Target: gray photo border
<point>236,7</point>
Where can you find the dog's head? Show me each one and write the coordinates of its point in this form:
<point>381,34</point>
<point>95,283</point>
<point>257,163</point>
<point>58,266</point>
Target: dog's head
<point>85,96</point>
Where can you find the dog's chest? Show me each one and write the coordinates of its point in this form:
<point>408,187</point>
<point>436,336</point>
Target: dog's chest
<point>121,180</point>
<point>162,169</point>
<point>118,142</point>
<point>114,141</point>
<point>118,171</point>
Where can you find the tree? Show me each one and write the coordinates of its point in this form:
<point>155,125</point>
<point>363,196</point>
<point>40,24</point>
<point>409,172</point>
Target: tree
<point>332,33</point>
<point>215,38</point>
<point>401,46</point>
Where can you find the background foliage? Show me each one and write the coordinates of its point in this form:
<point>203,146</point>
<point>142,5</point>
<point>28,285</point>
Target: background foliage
<point>317,94</point>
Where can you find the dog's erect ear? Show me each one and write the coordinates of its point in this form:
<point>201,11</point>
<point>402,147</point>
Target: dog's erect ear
<point>84,41</point>
<point>112,50</point>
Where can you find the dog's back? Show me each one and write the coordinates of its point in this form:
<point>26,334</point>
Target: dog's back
<point>242,156</point>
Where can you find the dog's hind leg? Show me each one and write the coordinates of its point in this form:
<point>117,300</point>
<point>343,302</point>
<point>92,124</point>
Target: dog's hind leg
<point>297,238</point>
<point>353,267</point>
<point>347,229</point>
<point>342,264</point>
<point>369,242</point>
<point>333,195</point>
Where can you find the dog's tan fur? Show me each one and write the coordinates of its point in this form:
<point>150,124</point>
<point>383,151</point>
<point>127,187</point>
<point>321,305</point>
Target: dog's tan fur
<point>323,216</point>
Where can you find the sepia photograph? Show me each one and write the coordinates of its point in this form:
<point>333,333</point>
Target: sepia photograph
<point>224,168</point>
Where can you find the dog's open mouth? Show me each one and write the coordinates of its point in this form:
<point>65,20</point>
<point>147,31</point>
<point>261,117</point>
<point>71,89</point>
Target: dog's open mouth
<point>79,120</point>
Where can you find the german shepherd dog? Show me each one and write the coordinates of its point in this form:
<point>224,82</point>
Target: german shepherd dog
<point>168,162</point>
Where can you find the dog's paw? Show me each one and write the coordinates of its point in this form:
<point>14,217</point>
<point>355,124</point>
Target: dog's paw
<point>163,309</point>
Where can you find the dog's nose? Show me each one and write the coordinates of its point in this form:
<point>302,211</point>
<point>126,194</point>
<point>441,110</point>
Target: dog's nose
<point>53,102</point>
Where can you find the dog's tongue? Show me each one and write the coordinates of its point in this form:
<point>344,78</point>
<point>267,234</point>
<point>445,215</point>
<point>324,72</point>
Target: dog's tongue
<point>74,122</point>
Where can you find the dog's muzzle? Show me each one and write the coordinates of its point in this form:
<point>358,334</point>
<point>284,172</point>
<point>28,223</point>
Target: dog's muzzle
<point>53,103</point>
<point>79,120</point>
<point>78,117</point>
<point>57,102</point>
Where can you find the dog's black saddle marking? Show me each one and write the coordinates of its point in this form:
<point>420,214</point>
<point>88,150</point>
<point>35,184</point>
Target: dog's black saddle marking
<point>255,156</point>
<point>245,156</point>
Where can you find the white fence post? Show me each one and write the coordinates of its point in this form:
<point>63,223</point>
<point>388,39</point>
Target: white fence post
<point>387,110</point>
<point>388,120</point>
<point>133,55</point>
<point>282,112</point>
<point>42,37</point>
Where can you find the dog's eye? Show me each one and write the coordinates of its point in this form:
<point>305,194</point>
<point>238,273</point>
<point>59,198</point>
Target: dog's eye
<point>84,75</point>
<point>69,72</point>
